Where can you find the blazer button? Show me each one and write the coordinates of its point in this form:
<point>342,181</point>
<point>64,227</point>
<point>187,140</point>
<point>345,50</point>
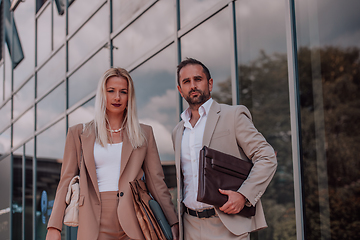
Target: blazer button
<point>121,194</point>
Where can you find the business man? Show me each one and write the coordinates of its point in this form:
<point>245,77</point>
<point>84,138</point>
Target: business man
<point>228,129</point>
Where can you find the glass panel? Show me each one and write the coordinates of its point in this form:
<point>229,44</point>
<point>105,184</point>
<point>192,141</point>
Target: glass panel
<point>156,97</point>
<point>23,127</point>
<point>2,82</point>
<point>263,88</point>
<point>24,98</point>
<point>51,106</point>
<point>59,26</point>
<point>5,172</point>
<point>85,80</point>
<point>8,73</point>
<point>25,24</point>
<point>89,36</point>
<point>29,156</point>
<point>79,11</point>
<point>51,72</point>
<point>17,194</point>
<point>44,35</point>
<point>140,36</point>
<point>210,44</point>
<point>329,63</point>
<point>5,115</point>
<point>49,150</point>
<point>123,10</point>
<point>5,142</point>
<point>83,114</point>
<point>190,9</point>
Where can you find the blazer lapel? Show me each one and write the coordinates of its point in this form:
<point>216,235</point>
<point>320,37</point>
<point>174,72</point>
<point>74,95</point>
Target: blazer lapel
<point>179,134</point>
<point>87,142</point>
<point>211,122</point>
<point>126,151</point>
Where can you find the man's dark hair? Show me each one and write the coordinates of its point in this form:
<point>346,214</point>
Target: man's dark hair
<point>192,61</point>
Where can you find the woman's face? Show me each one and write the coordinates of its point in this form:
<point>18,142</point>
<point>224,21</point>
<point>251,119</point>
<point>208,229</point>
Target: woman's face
<point>116,95</point>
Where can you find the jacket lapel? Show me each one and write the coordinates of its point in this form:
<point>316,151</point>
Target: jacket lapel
<point>126,151</point>
<point>179,134</point>
<point>211,122</point>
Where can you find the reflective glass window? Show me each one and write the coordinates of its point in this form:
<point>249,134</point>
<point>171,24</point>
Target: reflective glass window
<point>28,205</point>
<point>5,139</point>
<point>8,73</point>
<point>1,83</point>
<point>89,36</point>
<point>263,88</point>
<point>83,114</point>
<point>51,72</point>
<point>328,60</point>
<point>140,36</point>
<point>23,127</point>
<point>79,11</point>
<point>49,149</point>
<point>210,44</point>
<point>44,35</point>
<point>156,97</point>
<point>25,24</point>
<point>85,80</point>
<point>17,203</point>
<point>5,172</point>
<point>5,115</point>
<point>24,98</point>
<point>59,26</point>
<point>191,9</point>
<point>50,107</point>
<point>123,10</point>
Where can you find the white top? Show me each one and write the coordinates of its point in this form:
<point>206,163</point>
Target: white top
<point>192,143</point>
<point>107,162</point>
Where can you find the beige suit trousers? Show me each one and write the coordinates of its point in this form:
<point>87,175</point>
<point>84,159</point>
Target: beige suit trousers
<point>208,229</point>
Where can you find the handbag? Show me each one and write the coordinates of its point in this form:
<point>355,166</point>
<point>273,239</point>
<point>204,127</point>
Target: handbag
<point>219,170</point>
<point>151,218</point>
<point>71,216</point>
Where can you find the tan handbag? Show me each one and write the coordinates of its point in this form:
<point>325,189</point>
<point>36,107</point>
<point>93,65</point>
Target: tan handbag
<point>71,217</point>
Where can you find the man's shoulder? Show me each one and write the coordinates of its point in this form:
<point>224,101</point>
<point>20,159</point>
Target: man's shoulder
<point>179,125</point>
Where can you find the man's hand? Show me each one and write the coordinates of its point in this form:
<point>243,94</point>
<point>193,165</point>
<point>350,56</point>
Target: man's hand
<point>235,203</point>
<point>175,231</point>
<point>53,234</point>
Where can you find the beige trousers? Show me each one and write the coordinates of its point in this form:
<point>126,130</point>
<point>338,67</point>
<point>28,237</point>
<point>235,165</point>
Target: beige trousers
<point>109,223</point>
<point>208,229</point>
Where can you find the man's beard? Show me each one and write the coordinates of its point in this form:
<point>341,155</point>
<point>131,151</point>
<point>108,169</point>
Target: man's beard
<point>200,99</point>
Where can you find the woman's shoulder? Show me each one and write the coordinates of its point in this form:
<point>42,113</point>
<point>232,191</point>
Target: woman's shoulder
<point>146,128</point>
<point>81,127</point>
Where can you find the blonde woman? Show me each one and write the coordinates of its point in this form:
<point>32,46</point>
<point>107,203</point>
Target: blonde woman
<point>116,150</point>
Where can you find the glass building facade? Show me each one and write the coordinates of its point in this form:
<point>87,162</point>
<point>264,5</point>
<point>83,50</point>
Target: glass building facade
<point>294,64</point>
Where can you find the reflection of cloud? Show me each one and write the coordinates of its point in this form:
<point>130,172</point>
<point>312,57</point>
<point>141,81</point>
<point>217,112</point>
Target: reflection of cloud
<point>81,115</point>
<point>4,142</point>
<point>51,143</point>
<point>162,136</point>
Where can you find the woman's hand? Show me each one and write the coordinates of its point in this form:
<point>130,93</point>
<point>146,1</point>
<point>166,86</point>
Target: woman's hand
<point>175,231</point>
<point>53,234</point>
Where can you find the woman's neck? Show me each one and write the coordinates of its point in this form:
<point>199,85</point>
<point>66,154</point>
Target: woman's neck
<point>115,122</point>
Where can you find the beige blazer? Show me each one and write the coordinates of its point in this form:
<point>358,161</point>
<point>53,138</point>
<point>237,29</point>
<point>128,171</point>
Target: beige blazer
<point>230,129</point>
<point>134,163</point>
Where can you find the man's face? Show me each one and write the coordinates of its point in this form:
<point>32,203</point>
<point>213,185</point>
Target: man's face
<point>194,86</point>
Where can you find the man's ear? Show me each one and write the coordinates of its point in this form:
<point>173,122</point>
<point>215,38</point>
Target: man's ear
<point>211,84</point>
<point>180,91</point>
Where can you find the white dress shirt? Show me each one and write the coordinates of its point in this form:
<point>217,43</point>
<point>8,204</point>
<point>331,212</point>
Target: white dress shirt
<point>191,144</point>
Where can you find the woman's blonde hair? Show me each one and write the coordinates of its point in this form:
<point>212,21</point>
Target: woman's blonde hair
<point>130,124</point>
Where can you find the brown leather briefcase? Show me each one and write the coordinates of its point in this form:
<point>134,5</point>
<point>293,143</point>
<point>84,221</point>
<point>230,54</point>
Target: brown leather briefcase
<point>220,170</point>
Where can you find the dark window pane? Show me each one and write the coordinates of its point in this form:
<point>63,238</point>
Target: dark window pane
<point>25,25</point>
<point>5,115</point>
<point>141,36</point>
<point>5,172</point>
<point>44,35</point>
<point>156,98</point>
<point>51,106</point>
<point>210,44</point>
<point>29,157</point>
<point>51,72</point>
<point>24,98</point>
<point>89,36</point>
<point>263,88</point>
<point>5,142</point>
<point>329,63</point>
<point>49,150</point>
<point>17,204</point>
<point>190,9</point>
<point>23,127</point>
<point>85,80</point>
<point>123,10</point>
<point>83,114</point>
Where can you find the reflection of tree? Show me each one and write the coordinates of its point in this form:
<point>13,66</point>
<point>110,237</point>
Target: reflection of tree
<point>264,90</point>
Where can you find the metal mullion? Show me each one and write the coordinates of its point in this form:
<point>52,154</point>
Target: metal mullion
<point>42,9</point>
<point>234,61</point>
<point>178,56</point>
<point>110,31</point>
<point>49,125</point>
<point>34,187</point>
<point>23,193</point>
<point>52,88</point>
<point>52,54</point>
<point>295,120</point>
<point>23,83</point>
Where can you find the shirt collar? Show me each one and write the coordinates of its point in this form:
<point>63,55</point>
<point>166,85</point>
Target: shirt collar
<point>203,110</point>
